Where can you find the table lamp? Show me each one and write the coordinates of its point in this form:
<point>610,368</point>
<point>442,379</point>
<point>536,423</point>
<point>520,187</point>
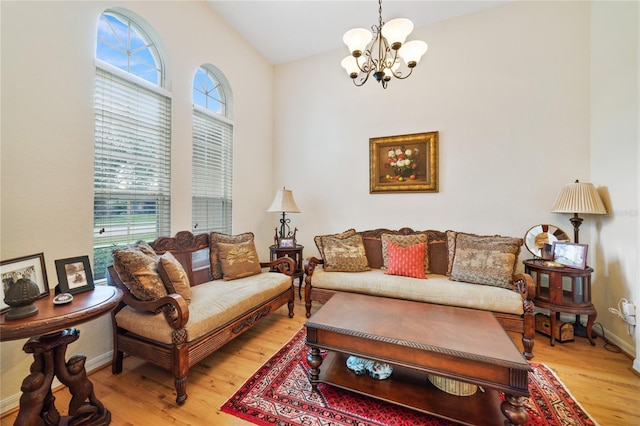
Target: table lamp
<point>578,198</point>
<point>284,203</point>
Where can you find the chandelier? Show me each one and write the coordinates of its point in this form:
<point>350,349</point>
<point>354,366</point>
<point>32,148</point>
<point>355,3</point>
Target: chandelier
<point>381,53</point>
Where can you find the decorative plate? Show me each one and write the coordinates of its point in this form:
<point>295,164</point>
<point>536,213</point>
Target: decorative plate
<point>537,236</point>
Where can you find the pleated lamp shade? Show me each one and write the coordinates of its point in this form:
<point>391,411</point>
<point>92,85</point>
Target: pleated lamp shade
<point>579,198</point>
<point>284,202</point>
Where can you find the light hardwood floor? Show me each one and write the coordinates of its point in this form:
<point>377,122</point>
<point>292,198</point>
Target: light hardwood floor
<point>602,381</point>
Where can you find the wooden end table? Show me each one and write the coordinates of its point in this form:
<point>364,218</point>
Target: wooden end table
<point>420,338</point>
<point>294,253</point>
<point>51,328</point>
<point>562,289</point>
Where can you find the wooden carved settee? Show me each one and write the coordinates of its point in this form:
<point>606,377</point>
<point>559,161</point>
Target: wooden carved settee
<point>511,301</point>
<point>176,331</point>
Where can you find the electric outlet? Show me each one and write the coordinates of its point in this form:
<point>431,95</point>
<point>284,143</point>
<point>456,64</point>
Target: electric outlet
<point>628,309</point>
<point>630,319</point>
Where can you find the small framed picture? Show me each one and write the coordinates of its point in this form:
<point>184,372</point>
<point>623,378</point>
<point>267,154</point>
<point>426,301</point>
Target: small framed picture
<point>286,243</point>
<point>74,274</point>
<point>570,254</point>
<point>29,267</point>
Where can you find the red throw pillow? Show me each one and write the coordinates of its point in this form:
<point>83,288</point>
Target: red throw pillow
<point>406,261</point>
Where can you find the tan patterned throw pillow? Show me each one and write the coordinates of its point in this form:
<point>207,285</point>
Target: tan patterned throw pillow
<point>174,276</point>
<point>344,254</point>
<point>451,249</point>
<point>319,244</point>
<point>403,241</point>
<point>139,272</point>
<point>238,260</point>
<point>214,239</point>
<point>489,260</point>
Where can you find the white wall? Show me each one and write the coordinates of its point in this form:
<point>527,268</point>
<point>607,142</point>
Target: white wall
<point>517,94</point>
<point>47,168</point>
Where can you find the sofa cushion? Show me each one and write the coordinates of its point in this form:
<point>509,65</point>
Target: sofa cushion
<point>435,289</point>
<point>238,260</point>
<point>139,272</point>
<point>217,237</point>
<point>484,259</point>
<point>214,304</point>
<point>406,261</point>
<point>404,241</point>
<point>174,276</point>
<point>344,254</point>
<point>320,244</point>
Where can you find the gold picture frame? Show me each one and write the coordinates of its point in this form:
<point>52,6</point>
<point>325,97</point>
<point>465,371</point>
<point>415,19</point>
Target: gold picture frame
<point>418,172</point>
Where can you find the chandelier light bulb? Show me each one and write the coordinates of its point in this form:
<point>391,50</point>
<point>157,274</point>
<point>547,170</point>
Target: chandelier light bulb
<point>412,52</point>
<point>357,40</point>
<point>396,31</point>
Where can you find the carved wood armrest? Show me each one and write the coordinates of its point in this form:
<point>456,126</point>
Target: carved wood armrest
<point>285,265</point>
<point>173,306</point>
<point>526,287</point>
<point>309,266</point>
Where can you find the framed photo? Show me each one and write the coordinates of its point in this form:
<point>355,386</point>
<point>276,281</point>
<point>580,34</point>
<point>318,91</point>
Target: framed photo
<point>30,267</point>
<point>287,242</point>
<point>570,254</point>
<point>74,274</point>
<point>405,163</point>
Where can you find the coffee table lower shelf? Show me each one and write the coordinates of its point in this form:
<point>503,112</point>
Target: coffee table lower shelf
<point>411,389</point>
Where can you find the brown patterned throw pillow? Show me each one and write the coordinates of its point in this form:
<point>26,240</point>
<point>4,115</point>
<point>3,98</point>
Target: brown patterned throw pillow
<point>344,254</point>
<point>214,239</point>
<point>489,260</point>
<point>238,260</point>
<point>403,241</point>
<point>451,249</point>
<point>174,276</point>
<point>139,272</point>
<point>320,245</point>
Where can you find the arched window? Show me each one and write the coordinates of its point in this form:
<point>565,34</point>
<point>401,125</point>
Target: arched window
<point>212,157</point>
<point>132,160</point>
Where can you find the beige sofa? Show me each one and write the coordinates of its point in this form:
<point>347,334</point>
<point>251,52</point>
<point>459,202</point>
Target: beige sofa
<point>182,302</point>
<point>480,274</point>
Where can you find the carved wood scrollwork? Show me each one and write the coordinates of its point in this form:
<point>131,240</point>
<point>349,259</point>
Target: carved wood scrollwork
<point>250,320</point>
<point>183,241</point>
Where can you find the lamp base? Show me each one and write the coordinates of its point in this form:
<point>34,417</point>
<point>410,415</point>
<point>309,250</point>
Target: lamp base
<point>19,312</point>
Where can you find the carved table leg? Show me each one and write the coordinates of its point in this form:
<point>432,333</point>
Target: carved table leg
<point>513,409</point>
<point>315,360</point>
<point>37,402</point>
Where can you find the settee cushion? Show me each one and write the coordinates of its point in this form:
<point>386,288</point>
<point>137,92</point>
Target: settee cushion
<point>489,260</point>
<point>174,276</point>
<point>214,304</point>
<point>404,241</point>
<point>344,254</point>
<point>238,260</point>
<point>436,289</point>
<point>406,261</point>
<point>138,270</point>
<point>217,237</point>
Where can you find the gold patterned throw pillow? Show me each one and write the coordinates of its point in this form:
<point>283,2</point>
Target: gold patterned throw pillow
<point>320,245</point>
<point>344,254</point>
<point>238,260</point>
<point>403,241</point>
<point>217,237</point>
<point>139,272</point>
<point>489,260</point>
<point>174,276</point>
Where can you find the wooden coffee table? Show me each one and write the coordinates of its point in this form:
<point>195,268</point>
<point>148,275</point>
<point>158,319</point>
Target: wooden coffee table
<point>419,338</point>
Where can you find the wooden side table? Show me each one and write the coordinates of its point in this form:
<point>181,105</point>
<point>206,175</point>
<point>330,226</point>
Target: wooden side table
<point>51,328</point>
<point>562,289</point>
<point>294,253</point>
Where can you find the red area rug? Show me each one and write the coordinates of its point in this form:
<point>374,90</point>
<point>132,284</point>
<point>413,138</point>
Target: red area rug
<point>279,393</point>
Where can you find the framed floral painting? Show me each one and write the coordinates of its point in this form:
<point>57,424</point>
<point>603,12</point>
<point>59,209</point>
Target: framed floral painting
<point>405,163</point>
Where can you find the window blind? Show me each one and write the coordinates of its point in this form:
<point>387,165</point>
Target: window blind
<point>212,172</point>
<point>132,166</point>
